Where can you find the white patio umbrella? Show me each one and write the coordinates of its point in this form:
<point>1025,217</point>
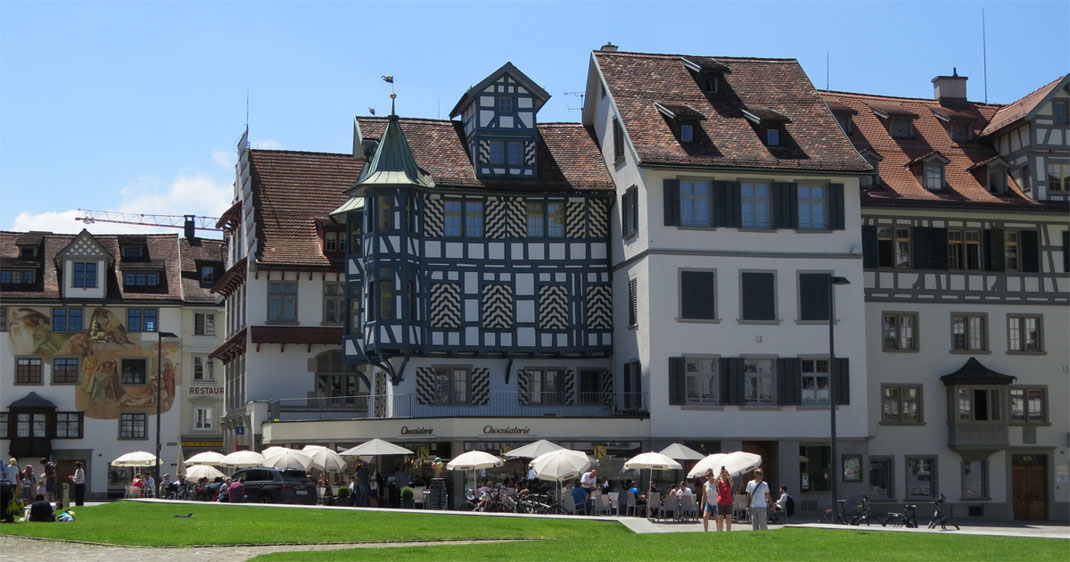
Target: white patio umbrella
<point>210,458</point>
<point>532,450</point>
<point>376,447</point>
<point>242,459</point>
<point>474,460</point>
<point>651,461</point>
<point>135,459</point>
<point>736,462</point>
<point>275,450</point>
<point>561,464</point>
<point>681,452</point>
<point>198,471</point>
<point>325,459</point>
<point>288,459</point>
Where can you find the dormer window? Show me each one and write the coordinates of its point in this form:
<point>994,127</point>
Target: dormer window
<point>898,119</point>
<point>874,160</point>
<point>960,132</point>
<point>934,176</point>
<point>141,279</point>
<point>207,275</point>
<point>901,129</point>
<point>707,72</point>
<point>133,252</point>
<point>711,83</point>
<point>27,253</point>
<point>334,241</point>
<point>997,179</point>
<point>772,136</point>
<point>687,133</point>
<point>17,277</point>
<point>845,122</point>
<point>85,275</point>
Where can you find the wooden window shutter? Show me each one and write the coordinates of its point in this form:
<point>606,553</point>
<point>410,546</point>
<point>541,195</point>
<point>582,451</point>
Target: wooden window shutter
<point>1030,251</point>
<point>759,296</point>
<point>731,214</point>
<point>618,140</point>
<point>870,251</point>
<point>672,202</point>
<point>841,381</point>
<point>785,214</point>
<point>788,381</point>
<point>724,367</point>
<point>813,296</point>
<point>835,212</point>
<point>938,242</point>
<point>696,295</point>
<point>993,250</point>
<point>717,203</point>
<point>929,248</point>
<point>633,302</point>
<point>625,215</point>
<point>677,382</point>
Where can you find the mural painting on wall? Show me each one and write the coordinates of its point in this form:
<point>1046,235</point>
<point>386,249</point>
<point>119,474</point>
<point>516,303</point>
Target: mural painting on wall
<point>117,369</point>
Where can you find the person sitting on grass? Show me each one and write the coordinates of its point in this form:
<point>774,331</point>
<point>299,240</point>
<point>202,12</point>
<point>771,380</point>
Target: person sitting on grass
<point>41,510</point>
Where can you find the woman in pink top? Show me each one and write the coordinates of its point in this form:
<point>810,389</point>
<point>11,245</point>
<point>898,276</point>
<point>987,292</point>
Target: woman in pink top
<point>724,501</point>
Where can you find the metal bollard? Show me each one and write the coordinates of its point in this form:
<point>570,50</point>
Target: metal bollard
<point>65,494</point>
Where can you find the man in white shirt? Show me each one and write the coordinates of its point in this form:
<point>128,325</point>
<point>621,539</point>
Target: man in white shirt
<point>589,483</point>
<point>758,501</point>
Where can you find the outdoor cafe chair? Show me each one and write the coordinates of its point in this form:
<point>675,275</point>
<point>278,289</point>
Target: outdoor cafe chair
<point>653,503</point>
<point>418,496</point>
<point>626,503</point>
<point>603,505</point>
<point>670,507</point>
<point>614,502</point>
<point>689,508</point>
<point>569,505</point>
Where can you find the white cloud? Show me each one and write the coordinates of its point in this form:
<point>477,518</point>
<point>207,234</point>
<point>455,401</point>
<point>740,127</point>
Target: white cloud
<point>224,158</point>
<point>196,194</point>
<point>267,144</point>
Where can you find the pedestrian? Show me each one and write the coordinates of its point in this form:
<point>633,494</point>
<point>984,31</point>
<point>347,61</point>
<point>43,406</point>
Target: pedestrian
<point>236,494</point>
<point>725,501</point>
<point>709,500</point>
<point>29,484</point>
<point>78,478</point>
<point>11,472</point>
<point>150,486</point>
<point>49,476</point>
<point>758,500</point>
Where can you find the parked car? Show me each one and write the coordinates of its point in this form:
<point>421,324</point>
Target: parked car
<point>271,485</point>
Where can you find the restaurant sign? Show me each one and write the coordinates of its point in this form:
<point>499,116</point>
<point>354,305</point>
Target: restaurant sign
<point>509,430</point>
<point>205,390</point>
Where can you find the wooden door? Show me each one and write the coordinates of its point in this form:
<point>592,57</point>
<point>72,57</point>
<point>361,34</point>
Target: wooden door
<point>1029,483</point>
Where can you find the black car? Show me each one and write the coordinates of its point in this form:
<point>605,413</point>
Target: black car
<point>271,485</point>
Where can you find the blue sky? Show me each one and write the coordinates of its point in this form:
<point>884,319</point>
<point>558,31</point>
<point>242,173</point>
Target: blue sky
<point>137,106</point>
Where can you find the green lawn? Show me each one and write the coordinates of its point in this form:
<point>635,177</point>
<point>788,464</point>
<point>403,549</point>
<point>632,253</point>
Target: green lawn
<point>143,524</point>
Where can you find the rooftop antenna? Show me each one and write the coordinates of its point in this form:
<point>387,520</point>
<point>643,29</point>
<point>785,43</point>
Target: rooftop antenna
<point>393,96</point>
<point>579,95</point>
<point>984,51</point>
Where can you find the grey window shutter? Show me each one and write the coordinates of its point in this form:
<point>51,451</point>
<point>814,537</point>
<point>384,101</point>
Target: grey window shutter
<point>677,382</point>
<point>921,251</point>
<point>993,250</point>
<point>696,295</point>
<point>841,381</point>
<point>813,296</point>
<point>835,211</point>
<point>633,301</point>
<point>1066,250</point>
<point>625,215</point>
<point>759,296</point>
<point>869,247</point>
<point>735,382</point>
<point>635,209</point>
<point>938,243</point>
<point>1030,251</point>
<point>717,203</point>
<point>672,202</point>
<point>788,381</point>
<point>731,212</point>
<point>724,367</point>
<point>783,214</point>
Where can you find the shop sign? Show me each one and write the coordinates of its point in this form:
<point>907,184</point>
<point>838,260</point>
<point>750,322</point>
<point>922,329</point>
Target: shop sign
<point>205,390</point>
<point>509,430</point>
<point>406,430</point>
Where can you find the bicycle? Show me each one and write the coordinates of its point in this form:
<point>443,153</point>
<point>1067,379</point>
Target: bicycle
<point>837,518</point>
<point>864,512</point>
<point>938,515</point>
<point>909,518</point>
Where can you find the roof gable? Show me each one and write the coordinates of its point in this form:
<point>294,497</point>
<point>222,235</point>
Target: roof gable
<point>84,245</point>
<point>1025,108</point>
<point>973,372</point>
<point>540,95</point>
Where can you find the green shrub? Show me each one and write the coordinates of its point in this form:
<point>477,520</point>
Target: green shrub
<point>407,493</point>
<point>343,492</point>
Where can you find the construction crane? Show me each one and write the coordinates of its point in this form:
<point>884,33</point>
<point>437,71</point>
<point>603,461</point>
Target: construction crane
<point>89,216</point>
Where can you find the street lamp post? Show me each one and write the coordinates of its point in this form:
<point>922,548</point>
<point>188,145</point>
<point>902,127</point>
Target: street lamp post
<point>834,468</point>
<point>159,384</point>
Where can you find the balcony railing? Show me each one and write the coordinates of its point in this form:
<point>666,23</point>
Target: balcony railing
<point>509,404</point>
<point>991,435</point>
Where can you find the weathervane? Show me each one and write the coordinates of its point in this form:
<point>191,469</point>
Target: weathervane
<point>393,96</point>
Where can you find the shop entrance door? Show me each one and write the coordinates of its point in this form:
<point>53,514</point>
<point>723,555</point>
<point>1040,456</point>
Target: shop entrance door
<point>1029,487</point>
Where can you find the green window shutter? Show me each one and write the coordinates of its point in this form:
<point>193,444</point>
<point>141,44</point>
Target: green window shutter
<point>677,382</point>
<point>724,367</point>
<point>841,381</point>
<point>732,215</point>
<point>938,242</point>
<point>784,216</point>
<point>717,203</point>
<point>625,215</point>
<point>813,296</point>
<point>835,211</point>
<point>672,202</point>
<point>1030,247</point>
<point>635,208</point>
<point>993,250</point>
<point>870,250</point>
<point>759,295</point>
<point>788,381</point>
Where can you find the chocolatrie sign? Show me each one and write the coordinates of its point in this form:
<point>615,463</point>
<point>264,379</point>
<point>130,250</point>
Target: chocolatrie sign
<point>487,430</point>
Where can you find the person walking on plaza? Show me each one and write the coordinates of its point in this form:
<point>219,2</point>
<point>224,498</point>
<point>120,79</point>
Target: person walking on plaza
<point>758,501</point>
<point>49,475</point>
<point>11,473</point>
<point>709,500</point>
<point>78,478</point>
<point>725,501</point>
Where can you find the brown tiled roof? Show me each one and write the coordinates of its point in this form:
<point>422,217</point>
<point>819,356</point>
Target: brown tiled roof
<point>163,249</point>
<point>813,140</point>
<point>195,253</point>
<point>1015,111</point>
<point>290,191</point>
<point>898,182</point>
<point>567,154</point>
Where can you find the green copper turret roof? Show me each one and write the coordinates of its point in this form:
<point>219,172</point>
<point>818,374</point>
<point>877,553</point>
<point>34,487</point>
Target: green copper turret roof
<point>393,163</point>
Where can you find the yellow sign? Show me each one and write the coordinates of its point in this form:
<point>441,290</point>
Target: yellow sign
<point>503,450</point>
<point>599,452</point>
<point>202,443</point>
<point>423,452</point>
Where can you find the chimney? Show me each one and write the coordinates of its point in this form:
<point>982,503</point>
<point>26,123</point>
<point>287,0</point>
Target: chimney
<point>949,90</point>
<point>609,47</point>
<point>190,228</point>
